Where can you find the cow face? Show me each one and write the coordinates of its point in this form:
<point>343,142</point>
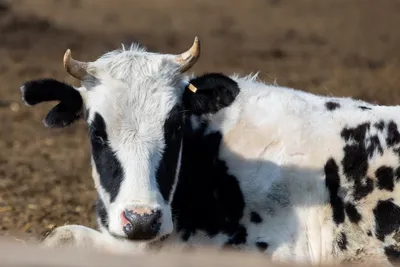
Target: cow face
<point>132,102</point>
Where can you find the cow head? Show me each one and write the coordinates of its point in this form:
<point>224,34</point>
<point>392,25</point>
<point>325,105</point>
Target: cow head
<point>135,104</point>
<point>132,102</point>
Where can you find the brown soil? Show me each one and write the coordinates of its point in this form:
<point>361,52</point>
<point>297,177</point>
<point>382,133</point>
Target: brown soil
<point>341,48</point>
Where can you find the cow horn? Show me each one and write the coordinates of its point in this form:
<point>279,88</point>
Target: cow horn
<point>74,67</point>
<point>190,57</point>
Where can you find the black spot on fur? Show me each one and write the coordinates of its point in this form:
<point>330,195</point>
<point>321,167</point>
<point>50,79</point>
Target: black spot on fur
<point>355,161</point>
<point>101,212</point>
<point>363,188</point>
<point>262,246</point>
<point>393,137</point>
<point>215,92</point>
<point>64,113</point>
<point>185,236</point>
<point>207,197</point>
<point>387,218</point>
<point>392,254</point>
<point>239,236</point>
<point>369,233</point>
<point>397,174</point>
<point>342,241</point>
<point>332,105</point>
<point>255,217</point>
<point>374,146</point>
<point>380,125</point>
<point>364,108</point>
<point>106,162</point>
<point>352,213</point>
<point>385,178</point>
<point>173,130</point>
<point>332,182</point>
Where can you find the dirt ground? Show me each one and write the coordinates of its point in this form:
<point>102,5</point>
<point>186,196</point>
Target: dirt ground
<point>341,48</point>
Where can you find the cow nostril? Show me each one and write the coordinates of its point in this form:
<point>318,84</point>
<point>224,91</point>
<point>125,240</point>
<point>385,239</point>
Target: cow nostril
<point>128,228</point>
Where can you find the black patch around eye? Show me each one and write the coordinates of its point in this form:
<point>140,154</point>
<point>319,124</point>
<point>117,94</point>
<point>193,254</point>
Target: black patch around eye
<point>166,171</point>
<point>107,164</point>
<point>332,105</point>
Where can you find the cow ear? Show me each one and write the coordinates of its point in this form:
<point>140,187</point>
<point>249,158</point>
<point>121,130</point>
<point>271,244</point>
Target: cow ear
<point>43,90</point>
<point>214,92</point>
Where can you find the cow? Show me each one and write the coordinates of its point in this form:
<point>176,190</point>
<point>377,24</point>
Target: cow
<point>227,161</point>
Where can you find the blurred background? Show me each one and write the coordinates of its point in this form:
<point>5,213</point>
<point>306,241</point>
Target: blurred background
<point>336,47</point>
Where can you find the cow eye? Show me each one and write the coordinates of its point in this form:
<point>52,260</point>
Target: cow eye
<point>97,137</point>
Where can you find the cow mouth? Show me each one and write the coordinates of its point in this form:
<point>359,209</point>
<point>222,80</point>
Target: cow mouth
<point>157,239</point>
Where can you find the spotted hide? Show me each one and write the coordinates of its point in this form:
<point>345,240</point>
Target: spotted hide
<point>236,164</point>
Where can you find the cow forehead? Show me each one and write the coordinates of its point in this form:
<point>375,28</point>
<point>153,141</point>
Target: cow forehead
<point>131,117</point>
<point>132,88</point>
<point>134,64</point>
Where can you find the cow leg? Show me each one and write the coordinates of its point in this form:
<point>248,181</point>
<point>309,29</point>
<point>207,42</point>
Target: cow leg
<point>82,237</point>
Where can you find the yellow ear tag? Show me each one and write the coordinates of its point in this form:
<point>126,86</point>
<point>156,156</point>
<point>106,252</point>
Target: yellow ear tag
<point>192,88</point>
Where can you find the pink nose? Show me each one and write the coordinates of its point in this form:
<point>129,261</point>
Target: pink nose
<point>141,223</point>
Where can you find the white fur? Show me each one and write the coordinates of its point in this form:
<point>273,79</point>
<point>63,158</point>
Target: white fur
<point>134,91</point>
<point>276,141</point>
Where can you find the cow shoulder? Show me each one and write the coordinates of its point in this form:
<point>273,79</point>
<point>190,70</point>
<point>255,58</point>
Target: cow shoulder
<point>208,200</point>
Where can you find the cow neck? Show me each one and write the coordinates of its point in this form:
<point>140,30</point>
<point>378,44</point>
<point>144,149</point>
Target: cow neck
<point>207,198</point>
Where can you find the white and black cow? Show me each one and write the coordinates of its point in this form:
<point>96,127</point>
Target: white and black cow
<point>237,163</point>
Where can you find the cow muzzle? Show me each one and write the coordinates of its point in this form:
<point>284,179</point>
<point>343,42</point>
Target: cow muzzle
<point>141,223</point>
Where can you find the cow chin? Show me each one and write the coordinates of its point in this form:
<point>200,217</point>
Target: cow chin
<point>117,222</point>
